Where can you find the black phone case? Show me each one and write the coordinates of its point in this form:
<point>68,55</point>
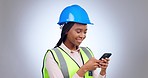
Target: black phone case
<point>105,55</point>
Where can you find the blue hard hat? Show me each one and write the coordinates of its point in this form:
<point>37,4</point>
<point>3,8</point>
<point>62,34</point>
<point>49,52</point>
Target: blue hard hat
<point>74,13</point>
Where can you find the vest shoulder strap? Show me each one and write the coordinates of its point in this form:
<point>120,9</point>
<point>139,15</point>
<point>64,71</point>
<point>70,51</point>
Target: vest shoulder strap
<point>87,52</point>
<point>89,55</point>
<point>63,65</point>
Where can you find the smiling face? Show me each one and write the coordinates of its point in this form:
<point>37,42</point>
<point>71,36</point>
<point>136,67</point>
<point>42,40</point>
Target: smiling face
<point>75,35</point>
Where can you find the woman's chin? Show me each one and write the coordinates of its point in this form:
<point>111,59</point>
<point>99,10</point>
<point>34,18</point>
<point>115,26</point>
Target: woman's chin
<point>78,43</point>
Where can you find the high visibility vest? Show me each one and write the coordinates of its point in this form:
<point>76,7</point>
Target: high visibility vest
<point>68,65</point>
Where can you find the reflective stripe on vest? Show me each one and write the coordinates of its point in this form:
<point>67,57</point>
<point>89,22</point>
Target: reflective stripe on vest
<point>67,65</point>
<point>63,64</point>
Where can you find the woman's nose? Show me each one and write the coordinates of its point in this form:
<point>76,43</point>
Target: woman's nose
<point>83,35</point>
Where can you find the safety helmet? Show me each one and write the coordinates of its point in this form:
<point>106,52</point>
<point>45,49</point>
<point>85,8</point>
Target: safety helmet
<point>74,13</point>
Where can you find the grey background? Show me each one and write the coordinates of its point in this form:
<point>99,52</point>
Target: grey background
<point>28,28</point>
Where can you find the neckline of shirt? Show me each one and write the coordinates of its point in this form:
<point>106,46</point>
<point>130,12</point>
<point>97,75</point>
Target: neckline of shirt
<point>68,50</point>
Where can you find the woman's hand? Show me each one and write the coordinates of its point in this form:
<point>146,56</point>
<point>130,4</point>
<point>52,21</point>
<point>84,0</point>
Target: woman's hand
<point>103,65</point>
<point>91,64</point>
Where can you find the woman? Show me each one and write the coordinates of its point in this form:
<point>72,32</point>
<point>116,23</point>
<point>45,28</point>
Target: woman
<point>67,59</point>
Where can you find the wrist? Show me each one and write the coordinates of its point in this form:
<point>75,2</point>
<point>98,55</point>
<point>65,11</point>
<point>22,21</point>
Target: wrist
<point>103,72</point>
<point>81,72</point>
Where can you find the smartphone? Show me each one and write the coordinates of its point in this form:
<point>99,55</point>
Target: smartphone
<point>105,55</point>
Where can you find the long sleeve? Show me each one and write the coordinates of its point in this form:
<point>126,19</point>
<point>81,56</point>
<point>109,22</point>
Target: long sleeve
<point>97,75</point>
<point>52,67</point>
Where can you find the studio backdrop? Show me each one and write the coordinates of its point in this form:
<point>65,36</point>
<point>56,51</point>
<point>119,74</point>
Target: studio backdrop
<point>29,27</point>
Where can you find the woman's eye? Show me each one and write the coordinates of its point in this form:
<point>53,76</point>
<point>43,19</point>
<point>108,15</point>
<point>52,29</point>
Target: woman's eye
<point>78,31</point>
